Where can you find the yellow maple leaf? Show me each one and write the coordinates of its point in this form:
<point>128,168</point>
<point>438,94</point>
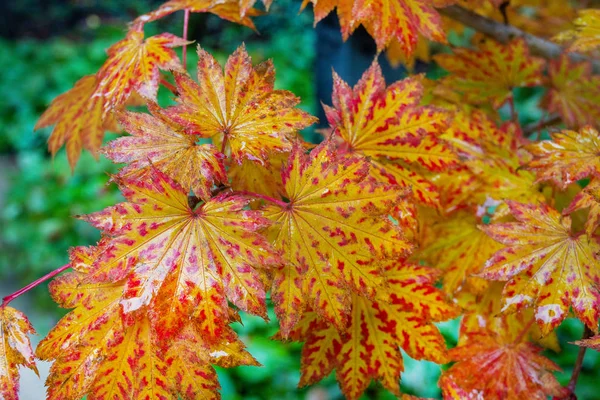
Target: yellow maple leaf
<point>101,352</point>
<point>333,234</point>
<point>15,350</point>
<point>400,317</point>
<point>492,71</point>
<point>574,93</point>
<point>388,127</point>
<point>586,35</point>
<point>158,142</point>
<point>238,107</point>
<point>546,265</point>
<point>133,65</point>
<point>567,158</point>
<point>182,260</point>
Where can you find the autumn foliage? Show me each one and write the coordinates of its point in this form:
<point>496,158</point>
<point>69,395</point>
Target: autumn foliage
<point>426,200</point>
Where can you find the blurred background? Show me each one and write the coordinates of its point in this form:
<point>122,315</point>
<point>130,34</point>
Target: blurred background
<point>47,45</point>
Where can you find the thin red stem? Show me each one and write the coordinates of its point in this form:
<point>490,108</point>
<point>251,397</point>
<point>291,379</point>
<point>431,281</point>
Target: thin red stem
<point>169,86</point>
<point>186,20</point>
<point>11,297</point>
<point>264,197</point>
<point>224,144</point>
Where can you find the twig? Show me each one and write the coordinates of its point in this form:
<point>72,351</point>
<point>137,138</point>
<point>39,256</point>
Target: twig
<point>186,20</point>
<point>505,33</point>
<point>587,332</point>
<point>169,86</point>
<point>543,124</point>
<point>11,297</point>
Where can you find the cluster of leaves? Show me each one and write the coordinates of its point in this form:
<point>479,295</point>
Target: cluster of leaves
<point>415,181</point>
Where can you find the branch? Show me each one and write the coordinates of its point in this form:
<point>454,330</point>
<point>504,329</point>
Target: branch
<point>505,33</point>
<point>11,297</point>
<point>587,332</point>
<point>543,124</point>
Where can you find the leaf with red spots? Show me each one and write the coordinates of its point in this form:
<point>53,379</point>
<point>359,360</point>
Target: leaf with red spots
<point>101,352</point>
<point>492,71</point>
<point>15,350</point>
<point>78,119</point>
<point>159,142</point>
<point>586,35</point>
<point>238,107</point>
<point>183,261</point>
<point>238,11</point>
<point>133,65</point>
<point>499,363</point>
<point>588,198</point>
<point>387,21</point>
<point>398,317</point>
<point>574,93</point>
<point>458,247</point>
<point>567,158</point>
<point>389,129</point>
<point>546,265</point>
<point>333,234</point>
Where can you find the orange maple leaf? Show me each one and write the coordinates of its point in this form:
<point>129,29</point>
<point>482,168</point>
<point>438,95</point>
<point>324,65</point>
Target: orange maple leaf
<point>180,260</point>
<point>546,264</point>
<point>333,234</point>
<point>388,127</point>
<point>161,143</point>
<point>567,158</point>
<point>387,20</point>
<point>499,364</point>
<point>574,93</point>
<point>102,352</point>
<point>399,317</point>
<point>492,71</point>
<point>133,65</point>
<point>238,11</point>
<point>15,350</point>
<point>78,118</point>
<point>238,108</point>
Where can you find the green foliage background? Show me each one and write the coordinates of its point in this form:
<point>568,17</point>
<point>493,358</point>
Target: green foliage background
<point>41,196</point>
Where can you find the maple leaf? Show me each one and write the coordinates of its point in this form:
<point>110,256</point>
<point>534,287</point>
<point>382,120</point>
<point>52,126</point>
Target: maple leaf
<point>387,20</point>
<point>459,248</point>
<point>388,127</point>
<point>238,11</point>
<point>400,317</point>
<point>499,364</point>
<point>489,73</point>
<point>15,350</point>
<point>238,107</point>
<point>160,143</point>
<point>587,199</point>
<point>573,93</point>
<point>133,65</point>
<point>333,234</point>
<point>586,35</point>
<point>262,178</point>
<point>101,352</point>
<point>78,118</point>
<point>567,158</point>
<point>183,261</point>
<point>546,264</point>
